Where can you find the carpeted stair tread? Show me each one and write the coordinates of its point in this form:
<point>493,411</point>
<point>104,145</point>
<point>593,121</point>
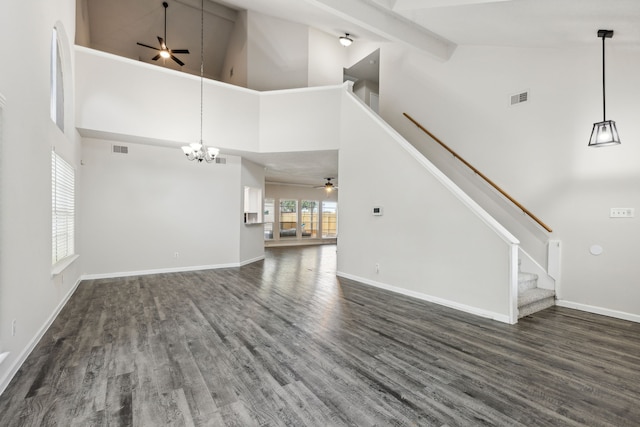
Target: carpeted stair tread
<point>527,281</point>
<point>532,295</point>
<point>533,300</point>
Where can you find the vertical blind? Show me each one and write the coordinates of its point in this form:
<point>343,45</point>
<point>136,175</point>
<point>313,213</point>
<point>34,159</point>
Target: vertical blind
<point>63,208</point>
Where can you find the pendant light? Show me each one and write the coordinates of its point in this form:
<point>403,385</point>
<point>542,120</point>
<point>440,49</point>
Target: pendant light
<point>604,133</point>
<point>198,150</point>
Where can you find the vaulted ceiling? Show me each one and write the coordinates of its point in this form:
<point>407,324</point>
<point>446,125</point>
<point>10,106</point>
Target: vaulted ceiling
<point>436,27</point>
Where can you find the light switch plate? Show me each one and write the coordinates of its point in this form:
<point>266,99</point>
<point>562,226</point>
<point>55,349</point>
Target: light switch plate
<point>622,213</point>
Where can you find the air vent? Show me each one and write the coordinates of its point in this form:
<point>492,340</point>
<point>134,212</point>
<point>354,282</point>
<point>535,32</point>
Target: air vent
<point>221,160</point>
<point>121,149</point>
<point>519,98</point>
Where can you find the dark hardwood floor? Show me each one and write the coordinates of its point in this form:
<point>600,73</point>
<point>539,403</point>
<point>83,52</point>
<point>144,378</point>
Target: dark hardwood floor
<point>284,342</point>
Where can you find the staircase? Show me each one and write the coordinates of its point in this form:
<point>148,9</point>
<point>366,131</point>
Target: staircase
<point>531,298</point>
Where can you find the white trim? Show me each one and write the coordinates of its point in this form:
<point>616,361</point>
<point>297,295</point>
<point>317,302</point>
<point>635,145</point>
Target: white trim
<point>429,298</point>
<point>599,310</point>
<point>61,265</point>
<point>4,382</point>
<point>167,270</point>
<point>513,284</point>
<point>251,261</point>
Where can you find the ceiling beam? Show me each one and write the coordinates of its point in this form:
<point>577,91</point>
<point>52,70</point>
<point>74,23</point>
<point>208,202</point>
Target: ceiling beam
<point>388,25</point>
<point>428,4</point>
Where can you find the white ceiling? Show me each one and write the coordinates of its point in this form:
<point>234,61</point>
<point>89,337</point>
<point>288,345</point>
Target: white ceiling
<point>433,26</point>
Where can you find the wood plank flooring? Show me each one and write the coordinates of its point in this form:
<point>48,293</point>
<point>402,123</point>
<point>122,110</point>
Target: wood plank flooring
<point>285,343</point>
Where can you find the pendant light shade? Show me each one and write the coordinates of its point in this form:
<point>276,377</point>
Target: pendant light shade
<point>604,133</point>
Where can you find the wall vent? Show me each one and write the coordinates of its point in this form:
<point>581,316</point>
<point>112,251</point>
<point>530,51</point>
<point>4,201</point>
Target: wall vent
<point>221,160</point>
<point>121,149</point>
<point>519,98</point>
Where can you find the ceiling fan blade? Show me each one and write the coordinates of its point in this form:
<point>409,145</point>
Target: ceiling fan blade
<point>179,50</point>
<point>146,45</point>
<point>162,44</point>
<point>155,58</point>
<point>180,63</point>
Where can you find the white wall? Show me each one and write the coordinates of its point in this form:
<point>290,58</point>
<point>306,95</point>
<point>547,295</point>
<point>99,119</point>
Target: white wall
<point>251,236</point>
<point>126,97</point>
<point>538,151</point>
<point>139,209</point>
<point>300,120</point>
<point>278,52</point>
<point>327,59</point>
<point>28,293</point>
<point>427,243</point>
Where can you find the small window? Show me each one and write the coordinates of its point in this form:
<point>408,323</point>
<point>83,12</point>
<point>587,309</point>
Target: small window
<point>329,219</point>
<point>288,219</point>
<point>310,216</point>
<point>62,208</point>
<point>57,86</point>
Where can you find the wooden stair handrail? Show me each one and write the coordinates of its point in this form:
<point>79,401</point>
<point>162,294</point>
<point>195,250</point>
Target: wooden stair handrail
<point>476,171</point>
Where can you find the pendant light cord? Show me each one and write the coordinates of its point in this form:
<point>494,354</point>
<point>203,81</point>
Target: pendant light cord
<point>604,96</point>
<point>201,64</point>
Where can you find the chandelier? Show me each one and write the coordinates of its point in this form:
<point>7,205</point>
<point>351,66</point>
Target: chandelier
<point>198,150</point>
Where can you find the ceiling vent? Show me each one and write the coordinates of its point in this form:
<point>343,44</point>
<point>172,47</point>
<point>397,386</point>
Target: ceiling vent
<point>121,149</point>
<point>221,160</point>
<point>519,98</point>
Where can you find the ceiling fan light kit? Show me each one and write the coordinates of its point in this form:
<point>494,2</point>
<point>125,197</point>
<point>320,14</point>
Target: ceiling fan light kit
<point>604,133</point>
<point>164,51</point>
<point>345,40</point>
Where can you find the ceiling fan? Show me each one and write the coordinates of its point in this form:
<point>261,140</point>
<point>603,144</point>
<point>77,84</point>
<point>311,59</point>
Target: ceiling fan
<point>164,51</point>
<point>328,186</point>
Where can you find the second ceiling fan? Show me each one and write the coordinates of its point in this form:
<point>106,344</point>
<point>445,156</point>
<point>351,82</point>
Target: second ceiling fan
<point>164,51</point>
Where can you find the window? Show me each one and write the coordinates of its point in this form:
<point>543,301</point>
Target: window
<point>288,219</point>
<point>329,219</point>
<point>57,87</point>
<point>62,208</point>
<point>309,210</point>
<point>269,218</point>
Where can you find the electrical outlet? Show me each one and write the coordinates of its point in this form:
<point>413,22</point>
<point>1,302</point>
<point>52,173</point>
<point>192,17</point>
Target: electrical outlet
<point>13,328</point>
<point>377,268</point>
<point>622,213</point>
<point>176,255</point>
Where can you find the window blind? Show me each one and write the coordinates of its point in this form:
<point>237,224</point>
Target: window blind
<point>63,208</point>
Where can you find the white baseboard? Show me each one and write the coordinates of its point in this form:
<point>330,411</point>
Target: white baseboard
<point>599,310</point>
<point>165,270</point>
<point>251,261</point>
<point>4,382</point>
<point>504,318</point>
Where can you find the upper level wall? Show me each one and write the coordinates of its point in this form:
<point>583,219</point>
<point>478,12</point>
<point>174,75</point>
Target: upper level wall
<point>125,97</point>
<point>128,99</point>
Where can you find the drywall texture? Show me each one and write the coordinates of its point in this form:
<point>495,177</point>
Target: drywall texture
<point>120,96</point>
<point>28,293</point>
<point>538,150</point>
<point>140,209</point>
<point>277,53</point>
<point>427,241</point>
